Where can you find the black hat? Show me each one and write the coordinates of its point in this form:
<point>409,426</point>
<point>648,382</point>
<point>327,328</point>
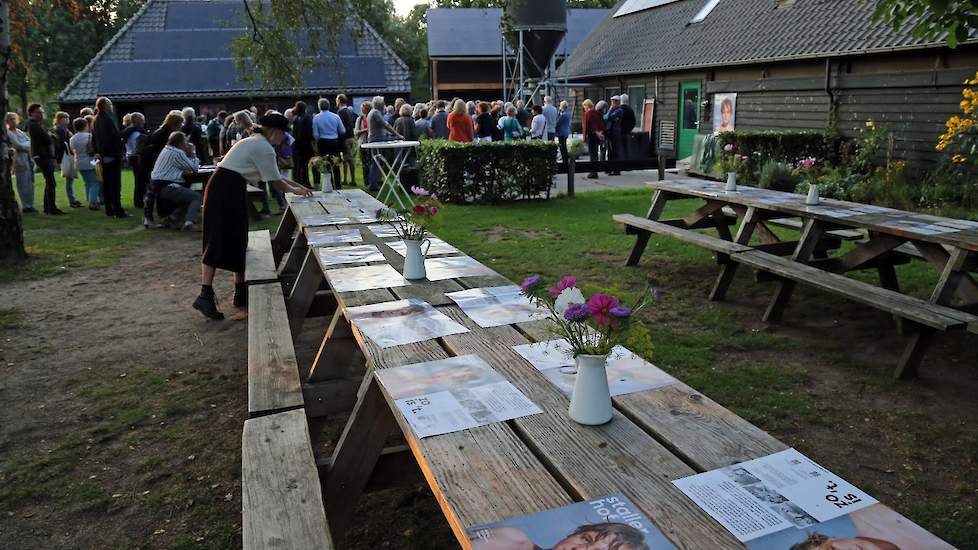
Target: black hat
<point>274,120</point>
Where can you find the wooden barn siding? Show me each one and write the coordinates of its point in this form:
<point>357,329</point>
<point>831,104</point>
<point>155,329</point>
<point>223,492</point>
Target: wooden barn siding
<point>915,105</point>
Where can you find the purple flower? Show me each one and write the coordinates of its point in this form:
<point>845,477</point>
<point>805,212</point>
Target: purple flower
<point>620,311</point>
<point>530,281</point>
<point>420,191</point>
<point>576,313</point>
<point>728,147</point>
<point>657,295</point>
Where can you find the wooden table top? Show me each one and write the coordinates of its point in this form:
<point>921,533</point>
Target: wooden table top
<point>545,461</point>
<point>908,225</point>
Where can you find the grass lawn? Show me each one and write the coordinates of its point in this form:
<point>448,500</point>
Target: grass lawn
<point>721,349</point>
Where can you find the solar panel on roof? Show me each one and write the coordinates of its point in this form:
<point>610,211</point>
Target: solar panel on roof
<point>204,44</point>
<point>220,75</point>
<point>203,15</point>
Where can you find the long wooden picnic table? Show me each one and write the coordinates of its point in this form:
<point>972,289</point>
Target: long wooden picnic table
<point>949,246</point>
<point>512,468</point>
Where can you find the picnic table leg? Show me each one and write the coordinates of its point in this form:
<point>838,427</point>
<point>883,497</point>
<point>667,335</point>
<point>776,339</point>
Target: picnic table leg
<point>356,454</point>
<point>337,352</point>
<point>659,201</point>
<point>913,353</point>
<point>297,253</point>
<point>304,291</point>
<point>810,237</point>
<point>283,235</point>
<point>728,269</point>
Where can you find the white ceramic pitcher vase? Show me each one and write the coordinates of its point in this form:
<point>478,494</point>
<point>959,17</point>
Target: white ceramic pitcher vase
<point>414,259</point>
<point>591,401</point>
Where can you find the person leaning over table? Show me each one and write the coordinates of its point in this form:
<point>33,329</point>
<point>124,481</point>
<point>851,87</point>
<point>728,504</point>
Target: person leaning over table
<point>225,219</point>
<point>148,153</point>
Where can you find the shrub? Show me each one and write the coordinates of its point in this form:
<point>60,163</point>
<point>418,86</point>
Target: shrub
<point>787,147</point>
<point>576,147</point>
<point>777,175</point>
<point>488,172</point>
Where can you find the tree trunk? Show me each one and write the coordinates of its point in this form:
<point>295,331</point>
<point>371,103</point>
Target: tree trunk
<point>11,225</point>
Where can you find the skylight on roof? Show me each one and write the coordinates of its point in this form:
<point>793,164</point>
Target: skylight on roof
<point>704,11</point>
<point>632,6</point>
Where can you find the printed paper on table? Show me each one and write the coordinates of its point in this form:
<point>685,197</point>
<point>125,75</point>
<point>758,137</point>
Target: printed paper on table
<point>390,324</point>
<point>497,305</point>
<point>454,394</point>
<point>627,372</point>
<point>562,528</point>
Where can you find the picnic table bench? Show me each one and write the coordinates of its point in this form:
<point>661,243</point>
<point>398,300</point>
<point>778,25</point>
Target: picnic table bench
<point>886,238</point>
<point>505,469</point>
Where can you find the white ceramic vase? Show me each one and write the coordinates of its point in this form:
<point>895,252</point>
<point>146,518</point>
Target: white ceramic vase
<point>731,182</point>
<point>812,198</point>
<point>414,260</point>
<point>591,401</point>
<point>327,183</point>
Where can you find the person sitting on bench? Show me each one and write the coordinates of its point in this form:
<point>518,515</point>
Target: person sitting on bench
<point>177,158</point>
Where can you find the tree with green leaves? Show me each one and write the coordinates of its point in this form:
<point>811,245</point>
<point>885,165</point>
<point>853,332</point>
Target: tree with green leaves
<point>932,18</point>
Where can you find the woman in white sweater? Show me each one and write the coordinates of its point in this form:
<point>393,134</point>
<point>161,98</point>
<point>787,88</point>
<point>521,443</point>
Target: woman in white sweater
<point>23,164</point>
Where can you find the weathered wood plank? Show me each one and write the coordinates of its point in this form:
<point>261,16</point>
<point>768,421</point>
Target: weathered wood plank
<point>593,461</point>
<point>685,235</point>
<point>281,501</point>
<point>273,372</point>
<point>908,307</point>
<point>259,260</point>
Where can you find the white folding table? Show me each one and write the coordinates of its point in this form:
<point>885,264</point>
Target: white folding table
<point>391,171</point>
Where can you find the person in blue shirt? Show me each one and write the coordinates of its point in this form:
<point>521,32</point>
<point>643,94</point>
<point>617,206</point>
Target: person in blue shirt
<point>563,129</point>
<point>328,131</point>
<point>613,125</point>
<point>550,113</point>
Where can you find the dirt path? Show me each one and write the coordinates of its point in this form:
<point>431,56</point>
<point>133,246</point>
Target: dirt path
<point>122,413</point>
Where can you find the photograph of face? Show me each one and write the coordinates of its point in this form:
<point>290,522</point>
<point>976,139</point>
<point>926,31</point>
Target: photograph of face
<point>321,237</point>
<point>390,324</point>
<point>435,376</point>
<point>325,219</point>
<point>352,279</point>
<point>724,112</point>
<point>339,255</point>
<point>592,525</point>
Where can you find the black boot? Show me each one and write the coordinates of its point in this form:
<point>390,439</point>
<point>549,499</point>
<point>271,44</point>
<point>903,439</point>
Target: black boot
<point>205,303</point>
<point>240,295</point>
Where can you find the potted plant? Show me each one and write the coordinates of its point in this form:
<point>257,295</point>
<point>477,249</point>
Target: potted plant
<point>593,327</point>
<point>412,226</point>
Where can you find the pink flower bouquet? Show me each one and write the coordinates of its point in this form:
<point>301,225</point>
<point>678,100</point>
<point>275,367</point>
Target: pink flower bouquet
<point>592,326</point>
<point>412,223</point>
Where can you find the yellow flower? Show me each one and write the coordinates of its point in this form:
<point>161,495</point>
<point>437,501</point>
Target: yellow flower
<point>870,124</point>
<point>960,159</point>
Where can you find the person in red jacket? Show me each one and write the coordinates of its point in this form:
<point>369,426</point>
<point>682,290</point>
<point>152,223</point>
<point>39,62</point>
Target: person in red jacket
<point>460,125</point>
<point>593,130</point>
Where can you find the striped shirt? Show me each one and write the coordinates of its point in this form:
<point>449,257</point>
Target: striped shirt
<point>172,163</point>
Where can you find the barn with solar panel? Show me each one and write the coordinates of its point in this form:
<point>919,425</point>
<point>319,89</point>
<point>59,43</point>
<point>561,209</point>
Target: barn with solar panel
<point>176,53</point>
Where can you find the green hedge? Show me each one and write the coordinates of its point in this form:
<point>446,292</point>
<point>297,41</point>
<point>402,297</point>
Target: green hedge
<point>487,172</point>
<point>786,147</point>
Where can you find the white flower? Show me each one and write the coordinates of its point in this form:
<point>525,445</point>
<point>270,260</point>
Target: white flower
<point>568,296</point>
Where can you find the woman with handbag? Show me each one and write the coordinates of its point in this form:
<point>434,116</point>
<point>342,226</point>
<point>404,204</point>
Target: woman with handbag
<point>225,220</point>
<point>62,154</point>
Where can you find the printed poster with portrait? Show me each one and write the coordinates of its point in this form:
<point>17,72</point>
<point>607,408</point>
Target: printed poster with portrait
<point>611,522</point>
<point>724,113</point>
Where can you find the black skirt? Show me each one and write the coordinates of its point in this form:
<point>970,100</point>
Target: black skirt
<point>225,221</point>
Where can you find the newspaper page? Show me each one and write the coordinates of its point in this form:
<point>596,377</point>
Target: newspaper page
<point>390,324</point>
<point>497,305</point>
<point>339,255</point>
<point>454,394</point>
<point>784,490</point>
<point>453,267</point>
<point>383,230</point>
<point>627,372</point>
<point>367,277</point>
<point>320,237</point>
<point>438,247</point>
<point>609,522</point>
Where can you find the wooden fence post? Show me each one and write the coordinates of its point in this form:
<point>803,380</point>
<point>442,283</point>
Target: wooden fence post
<point>570,176</point>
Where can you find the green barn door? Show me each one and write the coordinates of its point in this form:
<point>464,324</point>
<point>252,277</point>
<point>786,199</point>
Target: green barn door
<point>689,116</point>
